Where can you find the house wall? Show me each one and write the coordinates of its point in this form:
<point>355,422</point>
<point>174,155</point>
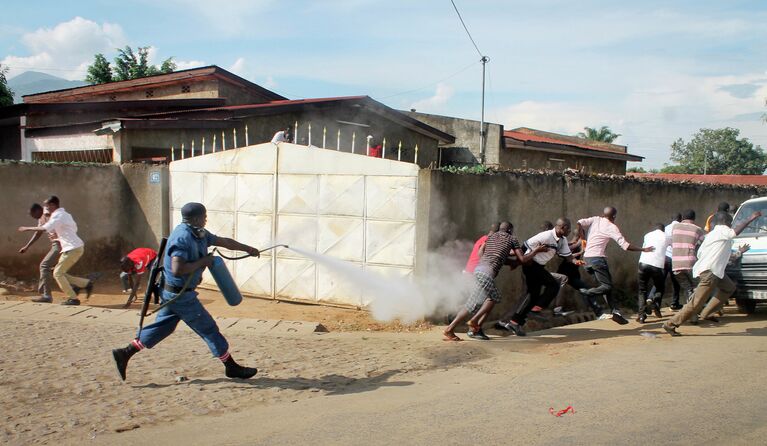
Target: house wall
<point>520,158</point>
<point>464,206</point>
<point>114,207</point>
<point>465,150</point>
<point>10,142</point>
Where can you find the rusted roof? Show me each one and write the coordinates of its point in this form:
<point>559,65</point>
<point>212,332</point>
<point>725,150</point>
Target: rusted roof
<point>212,71</point>
<point>239,111</point>
<point>755,180</point>
<point>529,136</point>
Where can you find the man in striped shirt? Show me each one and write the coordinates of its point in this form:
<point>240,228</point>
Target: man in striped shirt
<point>685,240</point>
<point>497,251</point>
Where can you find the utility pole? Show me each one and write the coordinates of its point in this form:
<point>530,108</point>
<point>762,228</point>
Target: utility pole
<point>482,135</point>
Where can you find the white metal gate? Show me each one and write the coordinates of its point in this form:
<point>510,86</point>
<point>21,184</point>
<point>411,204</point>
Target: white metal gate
<point>351,207</point>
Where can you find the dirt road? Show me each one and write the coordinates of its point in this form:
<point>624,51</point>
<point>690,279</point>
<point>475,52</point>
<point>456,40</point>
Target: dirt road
<point>57,385</point>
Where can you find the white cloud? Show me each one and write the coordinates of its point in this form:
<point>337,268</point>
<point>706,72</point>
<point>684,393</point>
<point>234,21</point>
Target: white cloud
<point>238,67</point>
<point>67,48</point>
<point>442,94</point>
<point>187,64</point>
<point>558,117</point>
<point>229,19</point>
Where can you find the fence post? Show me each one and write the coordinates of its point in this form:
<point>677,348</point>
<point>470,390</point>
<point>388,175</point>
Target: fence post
<point>338,143</point>
<point>399,151</point>
<point>214,143</point>
<point>182,151</point>
<point>246,135</point>
<point>223,140</point>
<point>383,149</point>
<point>295,134</point>
<point>234,137</point>
<point>354,137</point>
<point>415,160</point>
<point>192,156</point>
<point>309,143</point>
<point>368,144</point>
<point>172,153</point>
<point>203,146</point>
<point>324,135</point>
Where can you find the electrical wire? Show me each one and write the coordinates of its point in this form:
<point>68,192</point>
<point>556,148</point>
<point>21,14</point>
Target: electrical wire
<point>467,29</point>
<point>433,83</point>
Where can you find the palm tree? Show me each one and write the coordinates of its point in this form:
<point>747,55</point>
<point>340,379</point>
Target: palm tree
<point>604,134</point>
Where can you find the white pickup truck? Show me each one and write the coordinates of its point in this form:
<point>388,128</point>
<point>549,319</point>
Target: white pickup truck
<point>751,270</point>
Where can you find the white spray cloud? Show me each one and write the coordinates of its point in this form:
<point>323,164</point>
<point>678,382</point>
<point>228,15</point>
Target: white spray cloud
<point>404,298</point>
<point>442,94</point>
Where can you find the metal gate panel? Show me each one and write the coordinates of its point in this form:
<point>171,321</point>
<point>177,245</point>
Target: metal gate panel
<point>295,278</point>
<point>337,288</point>
<point>255,193</point>
<point>342,195</point>
<point>185,187</point>
<point>390,243</point>
<point>221,223</point>
<point>218,192</point>
<point>341,238</point>
<point>391,198</point>
<point>254,276</point>
<point>254,230</point>
<point>297,230</point>
<point>297,194</point>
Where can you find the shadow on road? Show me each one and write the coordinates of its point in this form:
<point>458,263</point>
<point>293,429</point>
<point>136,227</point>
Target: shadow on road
<point>331,384</point>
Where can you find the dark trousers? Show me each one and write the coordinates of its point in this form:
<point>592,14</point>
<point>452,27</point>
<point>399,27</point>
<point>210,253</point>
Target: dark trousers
<point>573,273</point>
<point>674,283</point>
<point>537,277</point>
<point>597,267</point>
<point>686,283</point>
<point>647,273</point>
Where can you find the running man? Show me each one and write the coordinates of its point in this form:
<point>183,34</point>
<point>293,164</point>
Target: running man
<point>685,239</point>
<point>713,256</point>
<point>63,225</point>
<point>600,230</point>
<point>651,269</point>
<point>186,256</point>
<point>554,241</point>
<point>49,261</point>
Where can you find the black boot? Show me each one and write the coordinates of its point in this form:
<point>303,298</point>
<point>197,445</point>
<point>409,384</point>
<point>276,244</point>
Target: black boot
<point>121,357</point>
<point>234,370</point>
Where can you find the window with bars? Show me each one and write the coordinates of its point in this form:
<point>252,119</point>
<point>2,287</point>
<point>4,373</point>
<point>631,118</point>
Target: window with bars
<point>150,93</point>
<point>186,89</point>
<point>102,156</point>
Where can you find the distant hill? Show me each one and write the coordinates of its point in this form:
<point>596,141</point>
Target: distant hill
<point>30,82</point>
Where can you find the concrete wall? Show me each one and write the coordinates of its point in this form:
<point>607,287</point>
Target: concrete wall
<point>104,204</point>
<point>464,206</point>
<point>465,150</point>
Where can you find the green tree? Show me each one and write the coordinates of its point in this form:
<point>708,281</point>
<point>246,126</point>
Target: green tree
<point>128,64</point>
<point>6,94</point>
<point>717,152</point>
<point>636,170</point>
<point>604,134</point>
<point>100,72</point>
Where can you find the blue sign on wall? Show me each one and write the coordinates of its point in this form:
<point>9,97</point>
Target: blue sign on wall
<point>154,178</point>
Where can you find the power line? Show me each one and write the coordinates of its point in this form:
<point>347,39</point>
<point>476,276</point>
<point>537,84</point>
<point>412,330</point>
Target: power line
<point>433,83</point>
<point>467,29</point>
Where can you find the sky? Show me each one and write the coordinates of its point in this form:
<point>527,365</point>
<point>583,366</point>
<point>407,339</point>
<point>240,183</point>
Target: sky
<point>653,71</point>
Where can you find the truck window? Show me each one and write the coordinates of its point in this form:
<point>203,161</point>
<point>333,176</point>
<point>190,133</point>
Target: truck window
<point>758,226</point>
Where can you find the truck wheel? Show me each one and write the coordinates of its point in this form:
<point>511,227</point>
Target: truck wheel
<point>747,306</point>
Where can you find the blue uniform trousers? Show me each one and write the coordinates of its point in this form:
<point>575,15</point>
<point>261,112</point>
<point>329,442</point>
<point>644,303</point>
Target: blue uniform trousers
<point>186,308</point>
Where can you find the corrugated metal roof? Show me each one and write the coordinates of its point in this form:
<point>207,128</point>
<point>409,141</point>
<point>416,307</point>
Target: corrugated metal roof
<point>526,137</point>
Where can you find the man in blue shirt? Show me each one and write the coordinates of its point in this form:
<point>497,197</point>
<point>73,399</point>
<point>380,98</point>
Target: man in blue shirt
<point>186,256</point>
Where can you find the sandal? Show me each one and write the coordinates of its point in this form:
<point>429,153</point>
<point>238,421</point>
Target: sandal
<point>451,337</point>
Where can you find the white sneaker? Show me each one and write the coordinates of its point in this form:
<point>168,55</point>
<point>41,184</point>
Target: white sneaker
<point>605,316</point>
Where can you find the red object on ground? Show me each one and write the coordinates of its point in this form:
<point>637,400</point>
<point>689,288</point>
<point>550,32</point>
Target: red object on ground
<point>559,413</point>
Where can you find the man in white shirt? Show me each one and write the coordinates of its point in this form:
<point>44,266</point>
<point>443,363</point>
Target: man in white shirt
<point>72,247</point>
<point>713,255</point>
<point>536,275</point>
<point>281,136</point>
<point>651,268</point>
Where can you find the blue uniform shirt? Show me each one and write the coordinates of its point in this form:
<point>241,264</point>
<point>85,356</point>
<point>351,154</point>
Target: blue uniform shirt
<point>184,244</point>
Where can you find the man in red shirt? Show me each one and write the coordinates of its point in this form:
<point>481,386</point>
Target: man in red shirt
<point>476,252</point>
<point>133,265</point>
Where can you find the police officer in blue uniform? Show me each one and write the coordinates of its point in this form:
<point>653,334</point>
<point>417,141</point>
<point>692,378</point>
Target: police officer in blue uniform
<point>185,259</point>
